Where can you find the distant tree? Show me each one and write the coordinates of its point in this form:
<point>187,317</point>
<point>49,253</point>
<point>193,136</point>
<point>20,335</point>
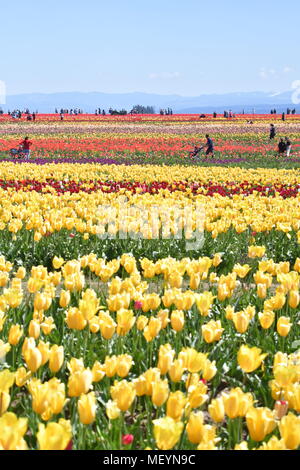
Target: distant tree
<point>139,109</point>
<point>115,112</point>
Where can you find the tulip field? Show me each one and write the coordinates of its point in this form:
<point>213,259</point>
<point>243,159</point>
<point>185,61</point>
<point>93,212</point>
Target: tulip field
<point>149,301</point>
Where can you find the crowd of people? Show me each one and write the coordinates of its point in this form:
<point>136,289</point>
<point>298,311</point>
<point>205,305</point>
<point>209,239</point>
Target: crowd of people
<point>17,114</point>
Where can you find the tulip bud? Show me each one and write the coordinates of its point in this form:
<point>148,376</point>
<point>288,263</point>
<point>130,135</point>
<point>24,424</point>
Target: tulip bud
<point>281,408</point>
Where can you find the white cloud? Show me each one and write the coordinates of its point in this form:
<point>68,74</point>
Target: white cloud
<point>164,75</point>
<point>266,73</point>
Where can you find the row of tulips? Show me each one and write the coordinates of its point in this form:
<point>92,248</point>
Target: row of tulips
<point>208,189</point>
<point>148,360</point>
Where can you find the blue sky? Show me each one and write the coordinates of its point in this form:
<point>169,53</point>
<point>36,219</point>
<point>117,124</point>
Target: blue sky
<point>186,47</point>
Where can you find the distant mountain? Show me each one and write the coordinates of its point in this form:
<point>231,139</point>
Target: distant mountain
<point>47,102</point>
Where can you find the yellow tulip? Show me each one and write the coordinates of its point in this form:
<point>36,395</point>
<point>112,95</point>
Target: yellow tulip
<point>64,298</point>
<point>177,320</point>
<point>56,358</point>
<point>175,405</point>
<point>14,335</point>
<point>167,432</point>
<point>54,436</point>
<point>12,430</point>
<point>57,262</point>
<point>22,376</point>
<point>75,319</point>
<point>141,322</point>
<point>241,321</point>
<point>260,422</point>
<point>160,392</point>
<point>212,331</point>
<point>87,408</point>
<point>294,298</point>
<point>289,428</point>
<point>98,371</point>
<point>165,358</point>
<point>112,410</point>
<point>216,410</point>
<point>195,427</point>
<point>34,329</point>
<point>123,365</point>
<point>176,370</point>
<point>250,359</point>
<point>283,326</point>
<point>80,382</point>
<point>266,318</point>
<point>107,325</point>
<point>33,359</point>
<point>48,325</point>
<point>123,393</point>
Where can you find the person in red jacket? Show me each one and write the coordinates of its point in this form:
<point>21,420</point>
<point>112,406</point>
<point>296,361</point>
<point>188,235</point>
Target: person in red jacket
<point>26,144</point>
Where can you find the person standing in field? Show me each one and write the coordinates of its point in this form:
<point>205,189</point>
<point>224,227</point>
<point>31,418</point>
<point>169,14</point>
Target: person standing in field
<point>26,144</point>
<point>281,146</point>
<point>210,146</point>
<point>272,132</point>
<point>288,146</point>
